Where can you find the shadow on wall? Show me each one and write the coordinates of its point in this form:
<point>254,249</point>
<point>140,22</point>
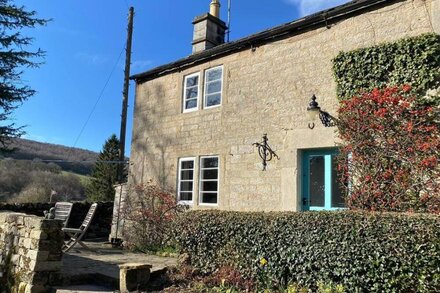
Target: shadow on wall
<point>150,143</point>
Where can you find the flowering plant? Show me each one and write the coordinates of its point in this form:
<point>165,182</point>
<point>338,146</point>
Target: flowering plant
<point>390,151</point>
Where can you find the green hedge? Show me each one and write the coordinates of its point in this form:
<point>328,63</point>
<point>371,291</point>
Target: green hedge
<point>364,252</point>
<point>414,61</point>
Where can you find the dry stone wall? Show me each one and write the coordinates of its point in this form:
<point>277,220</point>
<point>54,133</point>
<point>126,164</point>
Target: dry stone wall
<point>30,253</point>
<point>99,228</point>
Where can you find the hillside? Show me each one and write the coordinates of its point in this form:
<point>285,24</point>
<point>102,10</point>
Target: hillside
<point>79,161</point>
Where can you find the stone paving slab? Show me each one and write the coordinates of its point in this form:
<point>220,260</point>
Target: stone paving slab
<point>84,267</point>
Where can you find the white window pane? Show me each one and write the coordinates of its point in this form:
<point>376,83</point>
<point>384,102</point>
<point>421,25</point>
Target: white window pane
<point>186,186</point>
<point>192,93</point>
<point>186,180</point>
<point>191,104</point>
<point>209,198</point>
<point>214,74</point>
<point>214,87</point>
<point>209,162</point>
<point>192,81</point>
<point>210,174</point>
<point>209,186</point>
<point>187,164</point>
<point>186,196</point>
<point>187,175</point>
<point>213,100</point>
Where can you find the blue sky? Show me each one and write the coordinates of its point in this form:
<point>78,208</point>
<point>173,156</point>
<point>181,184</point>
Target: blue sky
<point>84,40</point>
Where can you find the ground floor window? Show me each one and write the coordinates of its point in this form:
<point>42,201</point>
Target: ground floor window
<point>321,180</point>
<point>185,185</point>
<point>208,180</point>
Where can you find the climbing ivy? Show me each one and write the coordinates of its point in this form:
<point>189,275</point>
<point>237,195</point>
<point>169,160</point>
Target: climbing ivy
<point>412,61</point>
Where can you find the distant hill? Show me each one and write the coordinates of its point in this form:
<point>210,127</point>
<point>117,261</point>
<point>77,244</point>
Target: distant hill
<point>80,161</point>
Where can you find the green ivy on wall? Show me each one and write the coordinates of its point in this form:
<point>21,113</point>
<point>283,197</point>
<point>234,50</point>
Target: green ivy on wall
<point>413,61</point>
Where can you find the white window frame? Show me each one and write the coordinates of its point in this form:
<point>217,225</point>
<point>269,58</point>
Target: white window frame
<point>179,179</point>
<point>205,84</point>
<point>201,180</point>
<point>184,110</point>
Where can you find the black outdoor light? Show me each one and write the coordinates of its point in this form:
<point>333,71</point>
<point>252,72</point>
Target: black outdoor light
<point>314,110</point>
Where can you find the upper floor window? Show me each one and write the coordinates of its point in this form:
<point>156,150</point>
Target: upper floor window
<point>213,86</point>
<point>191,92</point>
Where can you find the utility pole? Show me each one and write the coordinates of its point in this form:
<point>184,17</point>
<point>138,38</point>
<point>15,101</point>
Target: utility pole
<point>116,241</point>
<point>121,164</point>
<point>229,20</point>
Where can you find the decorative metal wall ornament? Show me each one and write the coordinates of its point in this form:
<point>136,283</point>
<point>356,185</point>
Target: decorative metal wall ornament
<point>265,152</point>
<point>326,119</point>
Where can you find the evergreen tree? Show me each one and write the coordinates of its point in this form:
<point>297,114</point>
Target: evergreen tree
<point>104,173</point>
<point>13,58</point>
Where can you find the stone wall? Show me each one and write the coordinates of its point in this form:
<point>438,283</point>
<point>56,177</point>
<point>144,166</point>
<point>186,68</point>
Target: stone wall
<point>99,228</point>
<point>30,252</point>
<point>266,89</point>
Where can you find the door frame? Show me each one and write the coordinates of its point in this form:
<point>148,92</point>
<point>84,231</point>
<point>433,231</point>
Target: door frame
<point>328,154</point>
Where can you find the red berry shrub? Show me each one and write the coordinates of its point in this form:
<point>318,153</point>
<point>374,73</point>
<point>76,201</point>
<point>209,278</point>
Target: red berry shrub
<point>149,212</point>
<point>390,151</point>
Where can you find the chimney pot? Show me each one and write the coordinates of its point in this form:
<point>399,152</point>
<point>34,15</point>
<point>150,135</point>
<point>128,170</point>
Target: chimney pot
<point>214,8</point>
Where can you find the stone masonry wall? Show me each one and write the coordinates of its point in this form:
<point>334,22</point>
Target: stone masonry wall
<point>30,253</point>
<point>265,90</point>
<point>99,228</point>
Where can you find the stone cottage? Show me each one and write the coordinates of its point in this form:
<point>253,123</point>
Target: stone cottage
<point>196,120</point>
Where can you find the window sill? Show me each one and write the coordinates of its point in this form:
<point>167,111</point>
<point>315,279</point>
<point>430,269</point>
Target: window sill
<point>212,107</point>
<point>208,204</point>
<point>190,110</point>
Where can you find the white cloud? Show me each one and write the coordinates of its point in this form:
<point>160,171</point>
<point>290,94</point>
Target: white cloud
<point>141,64</point>
<point>136,65</point>
<point>307,7</point>
<point>95,59</point>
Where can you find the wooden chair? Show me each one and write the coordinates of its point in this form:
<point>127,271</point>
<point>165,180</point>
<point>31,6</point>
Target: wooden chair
<point>77,234</point>
<point>62,211</point>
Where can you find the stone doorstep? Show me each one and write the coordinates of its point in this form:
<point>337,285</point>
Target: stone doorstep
<point>102,280</point>
<point>135,266</point>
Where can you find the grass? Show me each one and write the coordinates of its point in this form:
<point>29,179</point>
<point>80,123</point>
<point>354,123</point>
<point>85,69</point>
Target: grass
<point>84,179</point>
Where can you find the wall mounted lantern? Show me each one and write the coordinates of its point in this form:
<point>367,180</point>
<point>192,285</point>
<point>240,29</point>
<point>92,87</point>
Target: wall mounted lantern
<point>265,152</point>
<point>314,111</point>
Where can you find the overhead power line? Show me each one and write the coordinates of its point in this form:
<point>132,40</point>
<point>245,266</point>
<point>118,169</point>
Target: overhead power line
<point>99,98</point>
<point>70,161</point>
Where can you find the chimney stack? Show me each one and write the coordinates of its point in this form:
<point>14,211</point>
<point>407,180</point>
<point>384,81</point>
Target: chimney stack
<point>209,29</point>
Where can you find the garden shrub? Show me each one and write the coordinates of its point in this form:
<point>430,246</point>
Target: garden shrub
<point>356,251</point>
<point>390,150</point>
<point>149,212</point>
<point>414,61</point>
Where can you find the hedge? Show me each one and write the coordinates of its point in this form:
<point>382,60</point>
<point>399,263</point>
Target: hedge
<point>364,252</point>
<point>413,61</point>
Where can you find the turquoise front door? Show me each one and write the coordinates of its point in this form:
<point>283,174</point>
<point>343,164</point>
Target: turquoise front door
<point>320,184</point>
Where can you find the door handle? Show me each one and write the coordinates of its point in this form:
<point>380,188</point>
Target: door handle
<point>305,201</point>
